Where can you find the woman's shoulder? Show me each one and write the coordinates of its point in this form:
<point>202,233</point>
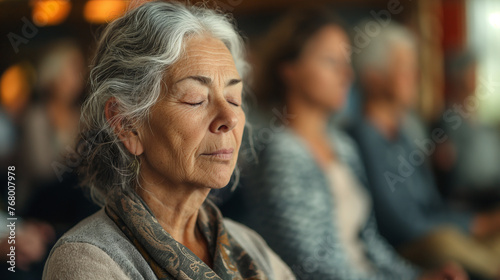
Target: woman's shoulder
<point>248,238</point>
<point>81,261</point>
<point>89,224</point>
<point>284,167</point>
<point>258,249</point>
<point>286,148</point>
<point>94,241</point>
<point>97,229</point>
<point>286,140</point>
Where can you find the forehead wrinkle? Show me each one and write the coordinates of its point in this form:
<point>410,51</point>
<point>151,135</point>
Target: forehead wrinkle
<point>204,60</point>
<point>219,57</point>
<point>200,52</point>
<point>218,49</point>
<point>210,65</point>
<point>204,67</point>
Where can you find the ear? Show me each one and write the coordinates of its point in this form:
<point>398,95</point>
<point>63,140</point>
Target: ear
<point>129,137</point>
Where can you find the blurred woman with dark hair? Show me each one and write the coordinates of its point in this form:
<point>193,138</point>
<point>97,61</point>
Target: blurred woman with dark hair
<point>306,195</point>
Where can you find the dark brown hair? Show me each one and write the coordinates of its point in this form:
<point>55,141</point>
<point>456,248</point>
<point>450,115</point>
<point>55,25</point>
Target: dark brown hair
<point>284,43</point>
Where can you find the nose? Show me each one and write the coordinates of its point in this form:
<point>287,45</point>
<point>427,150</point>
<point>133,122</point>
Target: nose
<point>226,118</point>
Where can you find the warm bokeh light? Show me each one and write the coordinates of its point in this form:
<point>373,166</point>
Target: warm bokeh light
<point>50,12</point>
<point>103,11</point>
<point>15,87</point>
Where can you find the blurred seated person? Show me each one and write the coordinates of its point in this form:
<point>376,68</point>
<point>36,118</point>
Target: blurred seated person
<point>467,162</point>
<point>50,123</point>
<point>48,188</point>
<point>16,86</point>
<point>306,196</point>
<point>410,212</point>
<point>32,238</point>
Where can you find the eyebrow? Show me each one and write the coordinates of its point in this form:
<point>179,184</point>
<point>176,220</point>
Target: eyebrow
<point>207,81</point>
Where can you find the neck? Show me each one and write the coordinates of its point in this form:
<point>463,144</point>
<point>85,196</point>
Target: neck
<point>175,207</point>
<point>311,124</point>
<point>385,116</point>
<point>311,120</point>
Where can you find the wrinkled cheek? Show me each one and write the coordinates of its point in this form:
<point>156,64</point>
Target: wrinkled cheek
<point>164,164</point>
<point>213,174</point>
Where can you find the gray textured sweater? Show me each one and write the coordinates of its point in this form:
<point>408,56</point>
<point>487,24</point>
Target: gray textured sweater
<point>286,199</point>
<point>97,249</point>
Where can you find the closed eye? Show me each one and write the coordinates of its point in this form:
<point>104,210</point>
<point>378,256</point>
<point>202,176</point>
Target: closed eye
<point>234,103</point>
<point>194,104</point>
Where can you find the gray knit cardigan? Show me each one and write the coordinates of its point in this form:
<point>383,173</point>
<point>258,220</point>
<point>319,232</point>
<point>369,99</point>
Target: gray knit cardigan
<point>286,198</point>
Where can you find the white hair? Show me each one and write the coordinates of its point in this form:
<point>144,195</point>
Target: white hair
<point>133,55</point>
<point>376,54</point>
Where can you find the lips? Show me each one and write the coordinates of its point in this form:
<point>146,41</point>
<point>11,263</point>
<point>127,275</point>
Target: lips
<point>223,154</point>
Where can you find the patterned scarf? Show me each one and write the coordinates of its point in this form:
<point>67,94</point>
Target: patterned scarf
<point>170,259</point>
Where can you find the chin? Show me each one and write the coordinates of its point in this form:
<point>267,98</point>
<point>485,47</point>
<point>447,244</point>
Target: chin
<point>334,104</point>
<point>222,183</point>
<point>217,182</point>
<point>215,176</point>
<point>334,107</point>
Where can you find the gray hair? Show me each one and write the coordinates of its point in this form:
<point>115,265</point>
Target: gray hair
<point>376,53</point>
<point>131,60</point>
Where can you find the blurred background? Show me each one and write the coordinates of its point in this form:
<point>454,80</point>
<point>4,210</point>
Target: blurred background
<point>45,53</point>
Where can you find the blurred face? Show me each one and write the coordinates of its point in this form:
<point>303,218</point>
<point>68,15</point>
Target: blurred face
<point>402,76</point>
<point>69,82</point>
<point>195,129</point>
<point>322,74</point>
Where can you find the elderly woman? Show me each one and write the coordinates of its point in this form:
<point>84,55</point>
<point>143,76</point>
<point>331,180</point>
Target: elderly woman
<point>161,128</point>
